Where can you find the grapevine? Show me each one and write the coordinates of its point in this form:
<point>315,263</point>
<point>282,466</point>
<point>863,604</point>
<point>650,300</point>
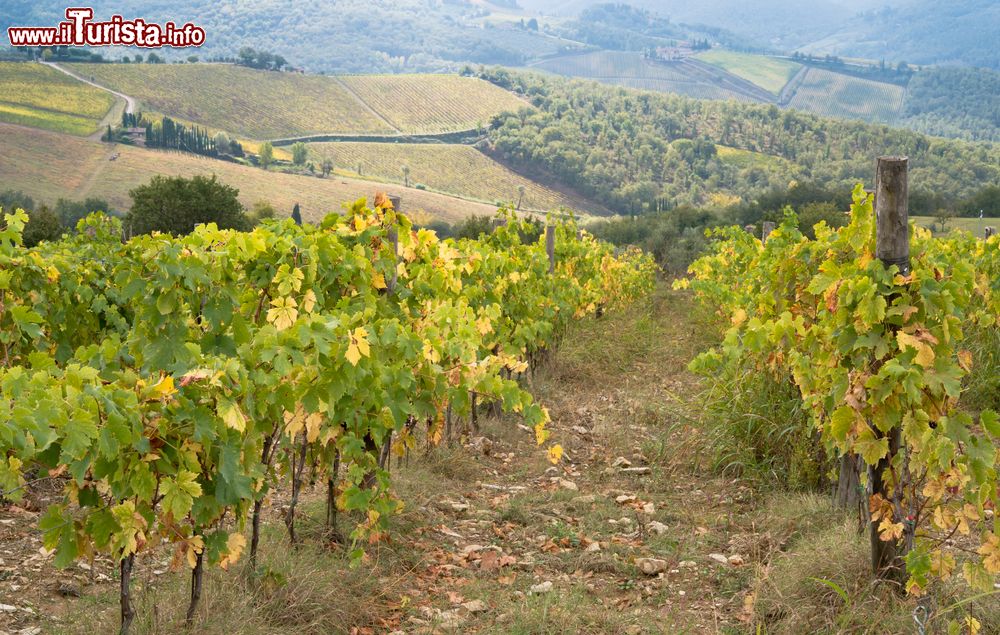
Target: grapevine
<point>876,353</point>
<point>173,382</point>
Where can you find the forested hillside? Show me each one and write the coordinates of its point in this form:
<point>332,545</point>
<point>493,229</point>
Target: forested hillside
<point>636,151</point>
<point>962,32</point>
<point>954,102</point>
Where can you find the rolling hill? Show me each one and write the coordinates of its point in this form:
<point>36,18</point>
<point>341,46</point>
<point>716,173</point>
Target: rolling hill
<point>47,166</point>
<point>453,169</point>
<point>268,105</point>
<point>631,70</point>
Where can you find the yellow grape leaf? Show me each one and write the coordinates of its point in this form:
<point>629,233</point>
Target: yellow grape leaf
<point>353,355</point>
<point>555,453</point>
<point>231,415</point>
<point>925,354</point>
<point>942,564</point>
<point>293,423</point>
<point>972,624</point>
<point>195,545</point>
<point>430,353</point>
<point>739,317</point>
<point>378,280</point>
<point>164,388</point>
<point>360,224</point>
<point>358,346</point>
<point>283,313</point>
<point>888,530</point>
<point>965,360</point>
<point>483,325</point>
<point>361,338</point>
<point>234,549</point>
<point>313,422</point>
<point>934,490</point>
<point>308,301</point>
<point>52,274</point>
<point>541,434</point>
<point>990,551</point>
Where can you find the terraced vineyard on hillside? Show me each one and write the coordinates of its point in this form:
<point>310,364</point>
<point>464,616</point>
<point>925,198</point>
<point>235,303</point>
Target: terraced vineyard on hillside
<point>455,169</point>
<point>47,166</point>
<point>42,97</point>
<point>835,95</point>
<point>631,70</point>
<point>432,104</point>
<point>270,105</point>
<point>253,103</point>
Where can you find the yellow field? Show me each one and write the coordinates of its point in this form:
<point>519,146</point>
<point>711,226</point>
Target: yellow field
<point>455,169</point>
<point>36,95</point>
<point>767,72</point>
<point>243,101</point>
<point>835,95</point>
<point>430,104</point>
<point>48,165</point>
<point>269,105</point>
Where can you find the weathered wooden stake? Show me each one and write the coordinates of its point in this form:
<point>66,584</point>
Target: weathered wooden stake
<point>393,236</point>
<point>499,222</point>
<point>125,594</point>
<point>550,246</point>
<point>892,247</point>
<point>989,232</point>
<point>768,227</point>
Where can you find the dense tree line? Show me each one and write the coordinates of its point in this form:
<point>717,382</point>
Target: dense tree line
<point>954,102</point>
<point>167,133</point>
<point>260,59</point>
<point>637,151</point>
<point>898,73</point>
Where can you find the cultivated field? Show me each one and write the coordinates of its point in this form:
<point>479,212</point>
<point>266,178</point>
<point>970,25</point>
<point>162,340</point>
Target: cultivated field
<point>748,158</point>
<point>631,70</point>
<point>767,72</point>
<point>975,225</point>
<point>36,95</point>
<point>834,95</point>
<point>455,169</point>
<point>269,105</point>
<point>431,104</point>
<point>243,101</point>
<point>47,166</point>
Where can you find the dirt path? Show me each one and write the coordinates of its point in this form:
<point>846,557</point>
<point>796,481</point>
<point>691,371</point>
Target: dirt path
<point>115,114</point>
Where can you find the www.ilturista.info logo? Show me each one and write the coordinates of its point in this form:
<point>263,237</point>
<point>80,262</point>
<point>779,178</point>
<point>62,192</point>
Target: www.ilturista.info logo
<point>79,29</point>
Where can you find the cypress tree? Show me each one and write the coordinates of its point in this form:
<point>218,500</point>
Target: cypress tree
<point>296,215</point>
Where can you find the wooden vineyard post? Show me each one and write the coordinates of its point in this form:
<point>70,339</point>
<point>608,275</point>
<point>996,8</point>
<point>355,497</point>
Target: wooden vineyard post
<point>393,236</point>
<point>498,223</point>
<point>892,247</point>
<point>768,227</point>
<point>990,231</point>
<point>550,246</point>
